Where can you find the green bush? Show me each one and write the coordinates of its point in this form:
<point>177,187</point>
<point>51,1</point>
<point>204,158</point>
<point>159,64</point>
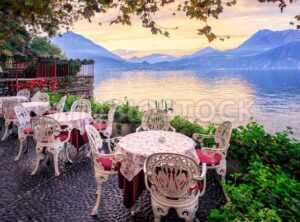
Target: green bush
<point>127,113</point>
<point>279,149</point>
<point>188,128</point>
<point>100,108</point>
<point>262,194</point>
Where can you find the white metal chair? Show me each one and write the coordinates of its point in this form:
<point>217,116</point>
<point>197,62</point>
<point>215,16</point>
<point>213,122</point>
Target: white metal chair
<point>40,97</point>
<point>82,105</point>
<point>34,97</point>
<point>59,107</point>
<point>175,181</point>
<point>155,119</point>
<point>9,115</point>
<point>24,128</point>
<point>50,136</point>
<point>104,164</point>
<point>24,92</point>
<point>104,126</point>
<point>215,157</point>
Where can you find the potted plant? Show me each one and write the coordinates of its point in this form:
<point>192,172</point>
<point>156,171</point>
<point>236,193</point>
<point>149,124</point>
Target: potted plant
<point>127,119</point>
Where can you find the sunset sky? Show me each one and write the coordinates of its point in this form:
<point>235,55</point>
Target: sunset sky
<point>240,22</point>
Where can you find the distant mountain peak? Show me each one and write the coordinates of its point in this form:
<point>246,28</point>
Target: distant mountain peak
<point>266,39</point>
<point>78,46</point>
<point>153,58</point>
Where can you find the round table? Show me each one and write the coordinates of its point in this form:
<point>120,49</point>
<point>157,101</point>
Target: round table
<point>76,120</point>
<point>137,147</point>
<point>19,99</point>
<point>39,108</point>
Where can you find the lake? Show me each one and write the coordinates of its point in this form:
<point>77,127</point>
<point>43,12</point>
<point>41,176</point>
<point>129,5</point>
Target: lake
<point>272,98</point>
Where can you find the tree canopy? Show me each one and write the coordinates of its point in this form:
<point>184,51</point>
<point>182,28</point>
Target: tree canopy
<point>41,47</point>
<point>52,16</point>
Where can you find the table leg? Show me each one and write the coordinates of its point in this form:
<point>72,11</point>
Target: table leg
<point>136,209</point>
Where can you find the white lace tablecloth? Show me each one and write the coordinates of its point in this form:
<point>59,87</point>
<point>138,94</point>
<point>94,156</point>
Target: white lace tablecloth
<point>39,108</point>
<point>77,120</point>
<point>19,99</point>
<point>138,146</point>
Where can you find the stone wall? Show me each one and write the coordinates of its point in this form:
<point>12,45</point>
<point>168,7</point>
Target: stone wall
<point>81,86</point>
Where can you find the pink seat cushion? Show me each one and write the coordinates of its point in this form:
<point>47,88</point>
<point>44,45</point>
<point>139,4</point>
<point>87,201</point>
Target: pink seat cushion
<point>101,126</point>
<point>28,131</point>
<point>205,158</point>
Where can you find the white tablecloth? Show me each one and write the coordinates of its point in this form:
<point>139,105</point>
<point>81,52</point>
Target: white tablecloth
<point>77,120</point>
<point>39,108</point>
<point>138,146</point>
<point>20,99</point>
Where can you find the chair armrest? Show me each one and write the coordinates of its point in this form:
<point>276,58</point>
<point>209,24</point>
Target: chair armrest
<point>214,149</point>
<point>198,136</point>
<point>139,128</point>
<point>202,177</point>
<point>99,118</point>
<point>203,174</point>
<point>172,129</point>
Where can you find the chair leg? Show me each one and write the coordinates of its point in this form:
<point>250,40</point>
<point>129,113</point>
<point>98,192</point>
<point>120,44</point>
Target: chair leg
<point>98,200</point>
<point>159,210</point>
<point>156,218</point>
<point>5,133</point>
<point>67,153</point>
<point>22,140</point>
<point>39,158</point>
<point>55,160</point>
<point>222,171</point>
<point>188,212</point>
<point>136,209</point>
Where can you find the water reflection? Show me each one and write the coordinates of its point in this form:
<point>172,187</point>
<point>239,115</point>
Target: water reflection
<point>272,98</point>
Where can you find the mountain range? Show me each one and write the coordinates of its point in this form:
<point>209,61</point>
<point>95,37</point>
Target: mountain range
<point>265,49</point>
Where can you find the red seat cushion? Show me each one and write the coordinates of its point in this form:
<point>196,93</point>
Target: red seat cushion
<point>62,136</point>
<point>28,131</point>
<point>101,126</point>
<point>205,158</point>
<point>105,162</point>
<point>52,111</point>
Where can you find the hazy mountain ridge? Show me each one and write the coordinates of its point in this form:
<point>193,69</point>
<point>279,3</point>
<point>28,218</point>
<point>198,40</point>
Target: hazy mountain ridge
<point>265,49</point>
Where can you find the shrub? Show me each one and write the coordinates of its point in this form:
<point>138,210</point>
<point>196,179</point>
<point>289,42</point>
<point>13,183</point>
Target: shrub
<point>279,149</point>
<point>188,128</point>
<point>262,194</point>
<point>127,113</point>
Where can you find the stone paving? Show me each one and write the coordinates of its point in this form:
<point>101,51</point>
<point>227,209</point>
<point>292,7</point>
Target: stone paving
<point>71,196</point>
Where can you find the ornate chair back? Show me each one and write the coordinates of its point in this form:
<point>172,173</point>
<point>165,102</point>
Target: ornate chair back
<point>23,117</point>
<point>94,139</point>
<point>223,134</point>
<point>41,97</point>
<point>61,104</point>
<point>110,119</point>
<point>81,105</point>
<point>45,129</point>
<point>171,176</point>
<point>96,144</point>
<point>155,119</point>
<point>8,109</point>
<point>24,92</point>
<point>34,97</point>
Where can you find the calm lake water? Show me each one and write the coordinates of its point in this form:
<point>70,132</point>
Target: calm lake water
<point>272,98</point>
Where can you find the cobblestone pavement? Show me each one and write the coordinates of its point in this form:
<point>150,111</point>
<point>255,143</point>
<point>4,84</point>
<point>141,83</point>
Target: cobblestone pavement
<point>71,196</point>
